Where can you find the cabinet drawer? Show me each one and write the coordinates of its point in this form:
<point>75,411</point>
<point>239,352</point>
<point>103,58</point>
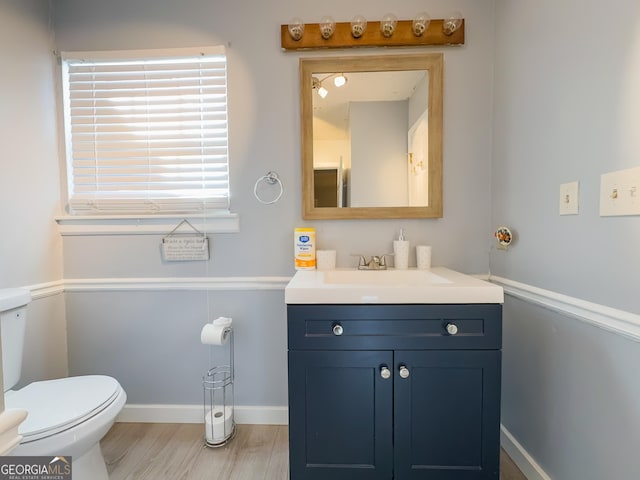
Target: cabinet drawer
<point>367,327</point>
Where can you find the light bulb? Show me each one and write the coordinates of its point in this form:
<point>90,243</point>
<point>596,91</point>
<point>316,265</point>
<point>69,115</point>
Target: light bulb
<point>296,28</point>
<point>452,23</point>
<point>340,80</point>
<point>420,23</point>
<point>388,24</point>
<point>358,26</point>
<point>327,27</point>
<point>322,91</point>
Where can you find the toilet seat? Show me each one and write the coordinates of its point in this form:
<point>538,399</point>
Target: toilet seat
<point>58,405</point>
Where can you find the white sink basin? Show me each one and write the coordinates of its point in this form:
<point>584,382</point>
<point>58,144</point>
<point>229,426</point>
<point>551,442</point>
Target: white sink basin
<point>407,278</point>
<point>438,285</point>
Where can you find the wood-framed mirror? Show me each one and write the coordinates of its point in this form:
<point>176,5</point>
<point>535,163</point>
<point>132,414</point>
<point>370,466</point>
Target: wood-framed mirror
<point>372,147</point>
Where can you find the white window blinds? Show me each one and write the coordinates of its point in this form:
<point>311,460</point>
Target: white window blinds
<point>146,131</point>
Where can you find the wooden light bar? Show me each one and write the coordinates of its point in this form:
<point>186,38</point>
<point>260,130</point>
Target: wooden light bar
<point>372,37</point>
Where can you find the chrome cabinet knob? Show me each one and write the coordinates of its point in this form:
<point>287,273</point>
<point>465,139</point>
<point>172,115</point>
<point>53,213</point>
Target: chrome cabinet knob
<point>404,371</point>
<point>338,330</point>
<point>385,372</point>
<point>452,328</point>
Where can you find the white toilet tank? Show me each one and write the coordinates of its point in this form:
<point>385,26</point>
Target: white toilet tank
<point>13,322</point>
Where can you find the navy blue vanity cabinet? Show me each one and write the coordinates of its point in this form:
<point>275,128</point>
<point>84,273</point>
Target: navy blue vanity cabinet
<point>394,392</point>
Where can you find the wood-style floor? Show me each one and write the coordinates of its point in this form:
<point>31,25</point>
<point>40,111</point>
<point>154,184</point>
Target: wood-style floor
<point>154,451</point>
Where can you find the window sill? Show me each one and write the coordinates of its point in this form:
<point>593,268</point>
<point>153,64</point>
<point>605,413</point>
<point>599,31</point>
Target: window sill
<point>218,222</point>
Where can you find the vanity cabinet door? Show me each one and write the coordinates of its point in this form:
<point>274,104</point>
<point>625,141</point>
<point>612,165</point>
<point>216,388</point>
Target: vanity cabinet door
<point>447,415</point>
<point>340,415</point>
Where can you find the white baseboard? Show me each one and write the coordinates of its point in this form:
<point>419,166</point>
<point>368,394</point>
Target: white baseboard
<point>243,414</point>
<point>521,457</point>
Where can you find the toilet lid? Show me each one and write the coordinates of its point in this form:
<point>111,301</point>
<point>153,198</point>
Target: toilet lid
<point>55,405</point>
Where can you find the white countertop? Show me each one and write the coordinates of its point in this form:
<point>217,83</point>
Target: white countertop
<point>438,285</point>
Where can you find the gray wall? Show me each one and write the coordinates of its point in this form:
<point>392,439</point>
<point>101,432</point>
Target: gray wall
<point>30,247</point>
<point>571,394</point>
<point>264,120</point>
<point>264,135</point>
<point>29,170</point>
<point>379,169</point>
<point>567,88</point>
<point>566,110</point>
<point>150,342</point>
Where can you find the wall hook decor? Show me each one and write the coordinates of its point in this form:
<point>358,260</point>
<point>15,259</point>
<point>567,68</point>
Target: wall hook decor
<point>504,237</point>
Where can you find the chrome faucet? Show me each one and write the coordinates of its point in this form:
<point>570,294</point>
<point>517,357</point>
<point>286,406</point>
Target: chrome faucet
<point>376,262</point>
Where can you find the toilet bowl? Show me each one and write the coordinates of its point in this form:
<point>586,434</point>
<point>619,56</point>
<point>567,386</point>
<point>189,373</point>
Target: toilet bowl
<point>67,416</point>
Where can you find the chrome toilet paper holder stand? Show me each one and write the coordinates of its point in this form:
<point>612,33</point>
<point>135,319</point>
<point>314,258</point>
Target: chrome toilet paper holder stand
<point>217,387</point>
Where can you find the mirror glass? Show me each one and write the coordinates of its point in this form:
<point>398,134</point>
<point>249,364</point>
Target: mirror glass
<point>372,136</point>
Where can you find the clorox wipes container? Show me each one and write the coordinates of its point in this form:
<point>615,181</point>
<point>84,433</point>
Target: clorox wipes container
<point>304,243</point>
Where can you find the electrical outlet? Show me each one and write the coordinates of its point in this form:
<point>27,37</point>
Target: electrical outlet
<point>569,198</point>
<point>620,193</point>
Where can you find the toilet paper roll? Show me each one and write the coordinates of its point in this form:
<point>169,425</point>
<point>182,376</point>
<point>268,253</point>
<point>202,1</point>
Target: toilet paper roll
<point>212,334</point>
<point>218,423</point>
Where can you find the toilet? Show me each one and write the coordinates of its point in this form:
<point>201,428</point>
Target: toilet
<point>66,416</point>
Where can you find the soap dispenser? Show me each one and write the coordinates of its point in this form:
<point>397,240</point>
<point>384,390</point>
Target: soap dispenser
<point>401,252</point>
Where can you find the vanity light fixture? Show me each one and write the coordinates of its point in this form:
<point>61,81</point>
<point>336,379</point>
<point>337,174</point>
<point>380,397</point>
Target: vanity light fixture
<point>327,27</point>
<point>339,79</point>
<point>358,26</point>
<point>388,32</point>
<point>452,23</point>
<point>317,86</point>
<point>420,23</point>
<point>296,28</point>
<point>388,25</point>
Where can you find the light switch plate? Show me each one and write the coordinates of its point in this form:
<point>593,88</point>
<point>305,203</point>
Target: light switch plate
<point>569,198</point>
<point>620,193</point>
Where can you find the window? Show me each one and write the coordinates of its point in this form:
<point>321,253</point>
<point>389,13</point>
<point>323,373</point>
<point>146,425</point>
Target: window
<point>146,131</point>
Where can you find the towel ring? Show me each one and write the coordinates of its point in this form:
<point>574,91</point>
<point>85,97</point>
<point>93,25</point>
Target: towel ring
<point>271,178</point>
